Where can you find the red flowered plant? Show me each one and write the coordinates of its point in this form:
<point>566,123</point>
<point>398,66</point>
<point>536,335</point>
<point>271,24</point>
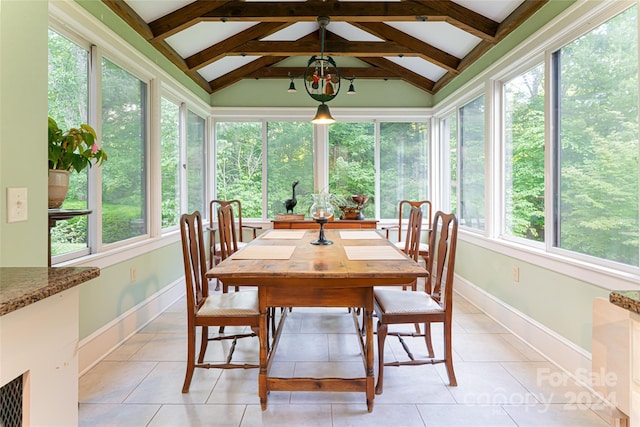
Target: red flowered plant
<point>74,149</point>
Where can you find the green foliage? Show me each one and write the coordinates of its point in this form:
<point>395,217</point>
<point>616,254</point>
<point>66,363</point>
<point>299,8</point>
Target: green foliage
<point>74,149</point>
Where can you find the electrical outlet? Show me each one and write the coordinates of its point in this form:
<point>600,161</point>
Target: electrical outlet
<point>516,273</point>
<point>133,274</point>
<point>16,204</point>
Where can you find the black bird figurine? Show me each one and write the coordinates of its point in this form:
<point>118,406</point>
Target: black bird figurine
<point>291,203</point>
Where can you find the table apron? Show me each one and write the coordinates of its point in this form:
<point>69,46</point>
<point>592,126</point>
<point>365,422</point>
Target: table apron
<point>310,296</point>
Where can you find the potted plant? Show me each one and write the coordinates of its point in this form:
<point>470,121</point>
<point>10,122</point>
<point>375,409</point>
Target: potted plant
<point>71,150</point>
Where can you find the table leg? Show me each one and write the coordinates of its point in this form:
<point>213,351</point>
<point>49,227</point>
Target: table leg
<point>263,338</point>
<point>368,320</point>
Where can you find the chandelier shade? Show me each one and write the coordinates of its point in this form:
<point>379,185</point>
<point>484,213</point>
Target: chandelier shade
<point>323,116</point>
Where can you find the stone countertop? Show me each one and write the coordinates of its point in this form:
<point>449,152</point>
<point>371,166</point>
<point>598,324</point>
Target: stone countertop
<point>21,286</point>
<point>629,300</point>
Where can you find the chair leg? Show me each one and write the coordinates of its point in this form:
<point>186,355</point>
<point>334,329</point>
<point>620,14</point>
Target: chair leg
<point>191,362</point>
<point>448,355</point>
<point>382,335</point>
<point>204,340</point>
<point>427,338</point>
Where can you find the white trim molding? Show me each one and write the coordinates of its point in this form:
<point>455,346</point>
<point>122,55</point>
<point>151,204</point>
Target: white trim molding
<point>559,350</point>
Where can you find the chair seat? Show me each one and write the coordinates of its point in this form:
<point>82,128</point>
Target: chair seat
<point>244,303</point>
<point>395,301</point>
<point>240,246</point>
<point>422,248</point>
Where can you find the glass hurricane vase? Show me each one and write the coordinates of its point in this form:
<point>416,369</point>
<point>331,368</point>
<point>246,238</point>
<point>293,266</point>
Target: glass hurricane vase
<point>321,211</point>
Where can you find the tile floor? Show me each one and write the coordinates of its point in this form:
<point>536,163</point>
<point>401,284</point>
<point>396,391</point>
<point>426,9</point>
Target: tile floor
<point>501,380</point>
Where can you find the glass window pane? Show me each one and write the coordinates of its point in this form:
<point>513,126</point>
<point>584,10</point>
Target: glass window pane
<point>239,165</point>
<point>524,155</point>
<point>597,124</point>
<point>472,164</point>
<point>450,139</point>
<point>124,181</point>
<point>290,159</point>
<point>68,99</point>
<point>170,162</point>
<point>403,165</point>
<point>196,162</point>
<point>351,164</point>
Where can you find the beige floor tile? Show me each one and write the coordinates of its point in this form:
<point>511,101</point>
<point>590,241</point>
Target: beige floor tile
<point>486,348</point>
<point>103,414</point>
<point>382,415</point>
<point>167,323</point>
<point>112,382</point>
<point>163,348</point>
<point>163,385</point>
<point>236,386</point>
<point>529,352</point>
<point>465,416</point>
<point>415,385</point>
<point>130,346</point>
<point>486,384</point>
<point>302,347</point>
<point>555,415</point>
<point>478,323</point>
<point>287,415</point>
<point>549,384</point>
<point>198,415</point>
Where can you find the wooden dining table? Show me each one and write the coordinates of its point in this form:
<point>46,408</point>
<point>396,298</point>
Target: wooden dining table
<point>291,272</point>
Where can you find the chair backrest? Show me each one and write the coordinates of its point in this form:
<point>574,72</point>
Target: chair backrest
<point>424,205</point>
<point>442,258</point>
<point>412,242</point>
<point>228,236</point>
<point>194,260</point>
<point>235,204</point>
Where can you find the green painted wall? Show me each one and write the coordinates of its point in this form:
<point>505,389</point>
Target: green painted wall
<point>23,131</point>
<point>561,303</point>
<point>112,294</point>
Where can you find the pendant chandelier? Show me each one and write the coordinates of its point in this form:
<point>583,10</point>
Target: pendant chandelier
<point>322,79</point>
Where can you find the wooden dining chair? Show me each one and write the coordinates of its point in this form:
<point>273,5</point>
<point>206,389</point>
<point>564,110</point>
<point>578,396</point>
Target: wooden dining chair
<point>214,246</point>
<point>426,206</point>
<point>434,304</point>
<point>228,236</point>
<point>204,310</point>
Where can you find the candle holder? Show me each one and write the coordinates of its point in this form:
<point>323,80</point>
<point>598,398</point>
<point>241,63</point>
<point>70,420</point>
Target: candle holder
<point>321,211</point>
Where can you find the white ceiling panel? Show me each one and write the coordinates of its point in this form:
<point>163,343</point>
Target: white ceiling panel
<point>224,66</point>
<point>205,34</point>
<point>441,35</point>
<point>419,66</point>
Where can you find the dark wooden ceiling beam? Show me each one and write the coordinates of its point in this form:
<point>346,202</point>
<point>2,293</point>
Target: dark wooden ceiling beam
<point>448,11</point>
<point>182,18</point>
<point>298,72</point>
<point>408,76</point>
<point>423,50</point>
<point>219,50</point>
<point>128,15</point>
<point>332,48</point>
<point>241,73</point>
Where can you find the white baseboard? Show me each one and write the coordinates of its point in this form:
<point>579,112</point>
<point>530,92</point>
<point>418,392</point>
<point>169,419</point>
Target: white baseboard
<point>565,354</point>
<point>96,346</point>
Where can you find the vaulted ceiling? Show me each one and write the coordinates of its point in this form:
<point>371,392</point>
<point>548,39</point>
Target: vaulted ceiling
<point>424,43</point>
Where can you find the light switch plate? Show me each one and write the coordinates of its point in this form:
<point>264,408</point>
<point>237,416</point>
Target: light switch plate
<point>16,204</point>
